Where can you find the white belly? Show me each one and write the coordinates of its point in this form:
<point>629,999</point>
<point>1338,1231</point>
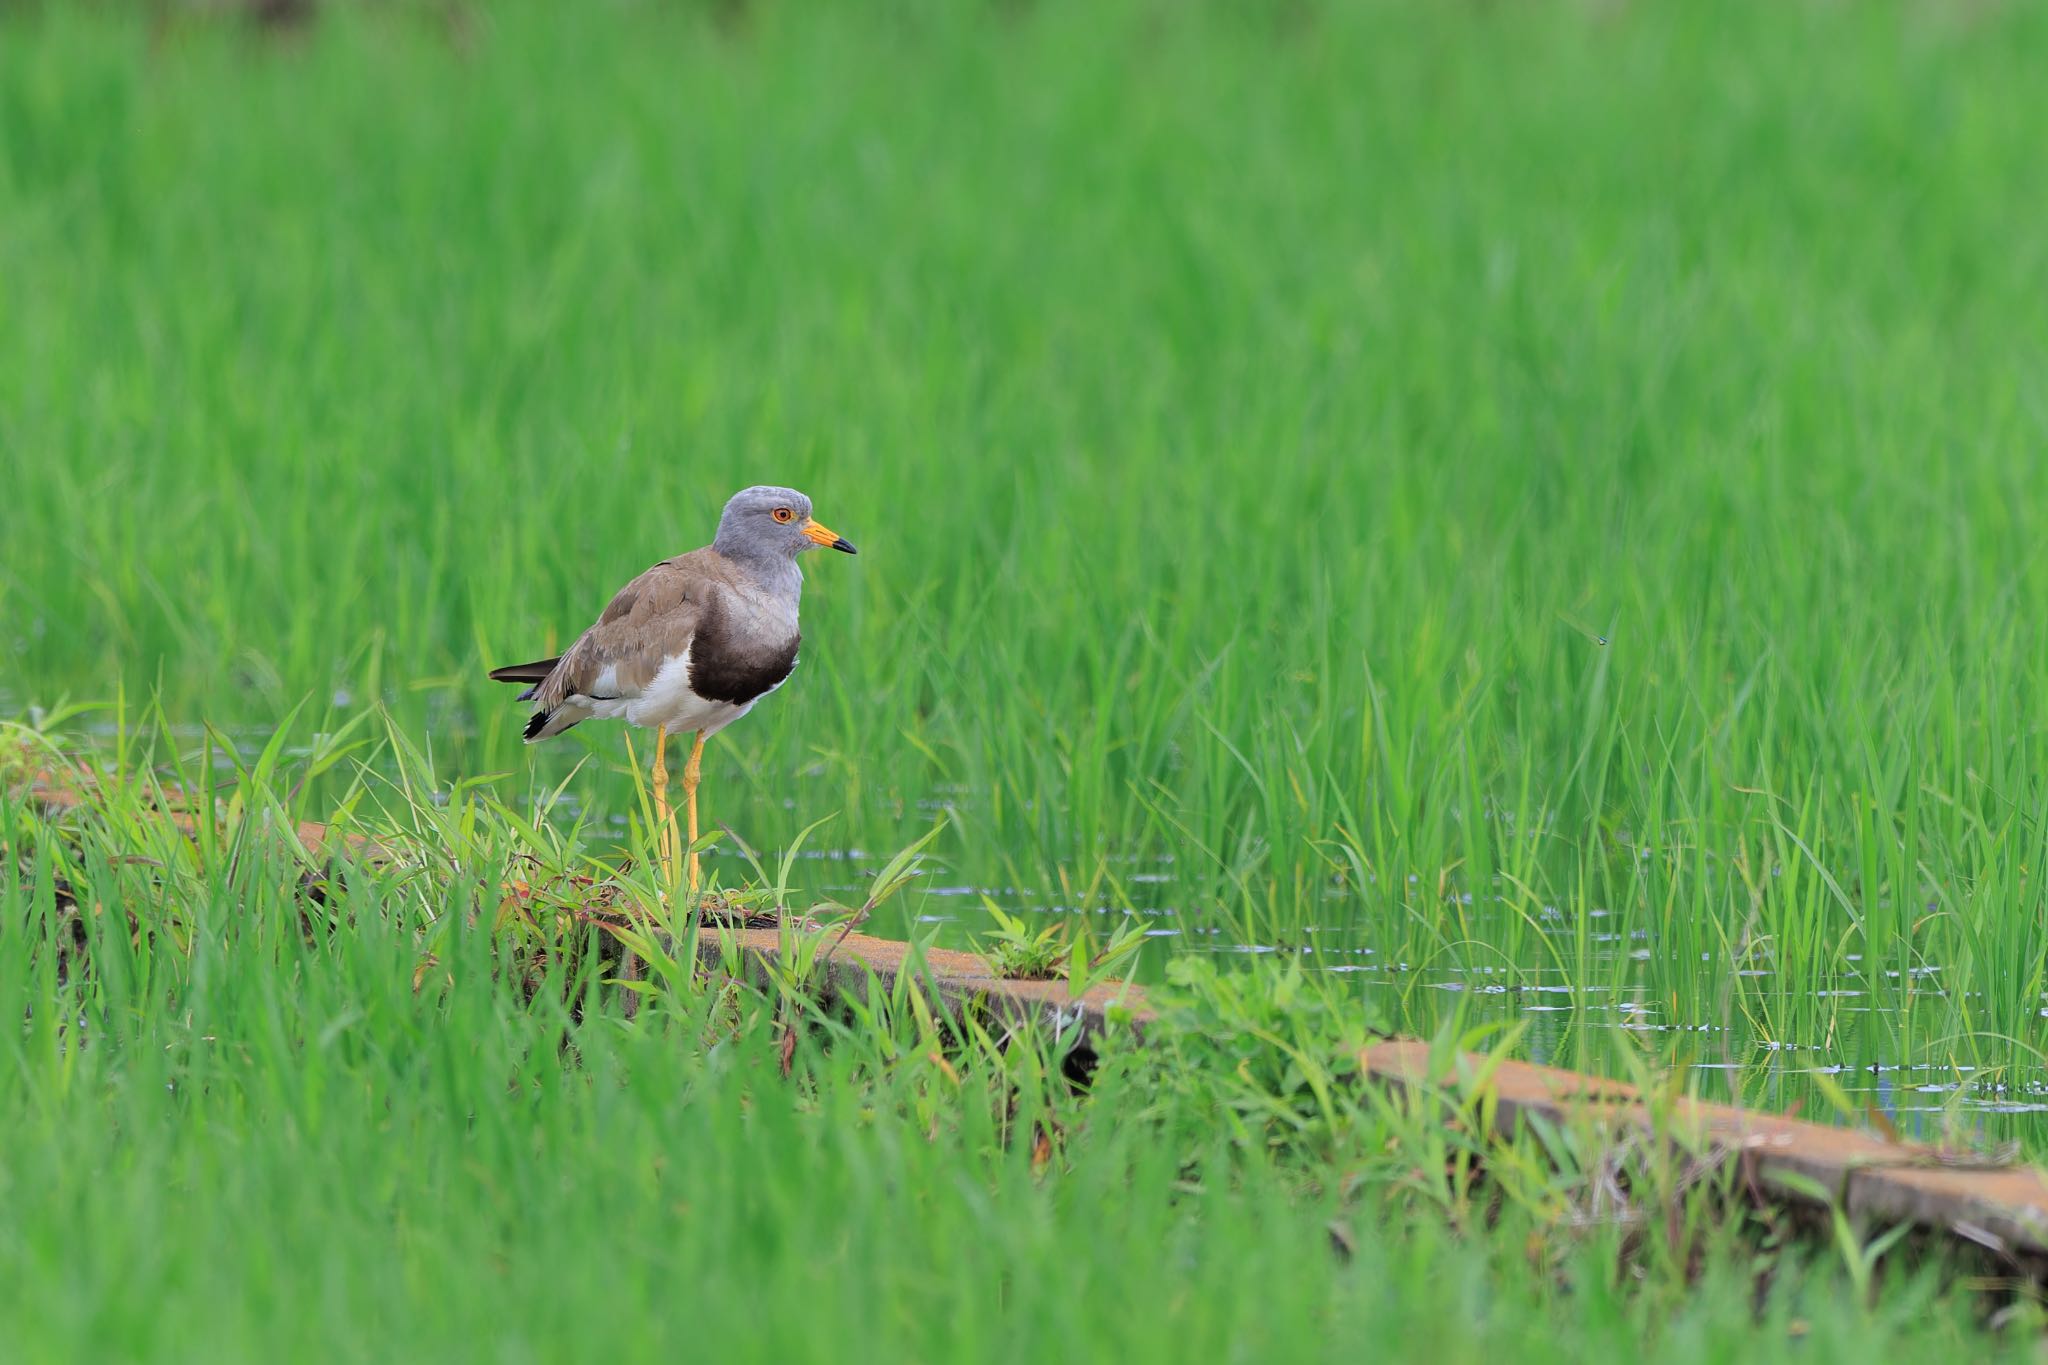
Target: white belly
<point>668,701</point>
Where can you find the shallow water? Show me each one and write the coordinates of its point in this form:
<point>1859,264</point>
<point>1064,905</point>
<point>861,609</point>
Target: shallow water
<point>1730,1059</point>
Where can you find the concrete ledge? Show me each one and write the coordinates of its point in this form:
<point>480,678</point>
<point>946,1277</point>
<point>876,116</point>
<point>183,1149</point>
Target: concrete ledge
<point>61,792</point>
<point>2003,1208</point>
<point>962,981</point>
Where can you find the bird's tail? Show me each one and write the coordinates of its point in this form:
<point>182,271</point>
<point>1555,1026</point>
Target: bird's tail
<point>533,674</point>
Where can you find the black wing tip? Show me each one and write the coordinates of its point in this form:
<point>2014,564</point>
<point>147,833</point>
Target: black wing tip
<point>537,723</point>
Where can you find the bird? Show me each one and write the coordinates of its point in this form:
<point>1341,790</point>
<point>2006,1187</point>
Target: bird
<point>691,644</point>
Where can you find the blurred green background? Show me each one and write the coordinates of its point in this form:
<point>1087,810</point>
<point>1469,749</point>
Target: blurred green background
<point>1535,506</point>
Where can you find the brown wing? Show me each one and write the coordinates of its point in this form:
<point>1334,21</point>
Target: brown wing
<point>650,621</point>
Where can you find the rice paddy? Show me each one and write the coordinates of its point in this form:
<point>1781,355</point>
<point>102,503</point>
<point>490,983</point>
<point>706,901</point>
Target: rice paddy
<point>1525,516</point>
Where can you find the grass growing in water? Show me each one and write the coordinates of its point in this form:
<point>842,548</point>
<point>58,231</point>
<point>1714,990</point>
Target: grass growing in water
<point>1513,498</point>
<point>255,1122</point>
<point>1509,499</point>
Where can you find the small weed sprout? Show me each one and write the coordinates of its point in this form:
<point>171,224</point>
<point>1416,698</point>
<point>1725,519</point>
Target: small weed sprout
<point>1015,951</point>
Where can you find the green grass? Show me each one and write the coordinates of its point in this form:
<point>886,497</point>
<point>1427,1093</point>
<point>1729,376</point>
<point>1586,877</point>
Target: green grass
<point>1538,497</point>
<point>244,1126</point>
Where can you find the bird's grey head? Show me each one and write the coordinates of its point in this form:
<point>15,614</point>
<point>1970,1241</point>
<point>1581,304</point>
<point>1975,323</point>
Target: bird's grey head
<point>771,523</point>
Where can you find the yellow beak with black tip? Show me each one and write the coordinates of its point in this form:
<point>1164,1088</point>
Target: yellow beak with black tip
<point>831,540</point>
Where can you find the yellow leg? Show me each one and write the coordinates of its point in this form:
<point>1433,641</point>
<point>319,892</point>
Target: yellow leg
<point>665,839</point>
<point>693,770</point>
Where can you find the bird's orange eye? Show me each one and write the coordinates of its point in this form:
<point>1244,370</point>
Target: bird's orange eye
<point>783,514</point>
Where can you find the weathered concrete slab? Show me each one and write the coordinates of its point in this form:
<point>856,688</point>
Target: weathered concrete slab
<point>57,791</point>
<point>961,981</point>
<point>2004,1208</point>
